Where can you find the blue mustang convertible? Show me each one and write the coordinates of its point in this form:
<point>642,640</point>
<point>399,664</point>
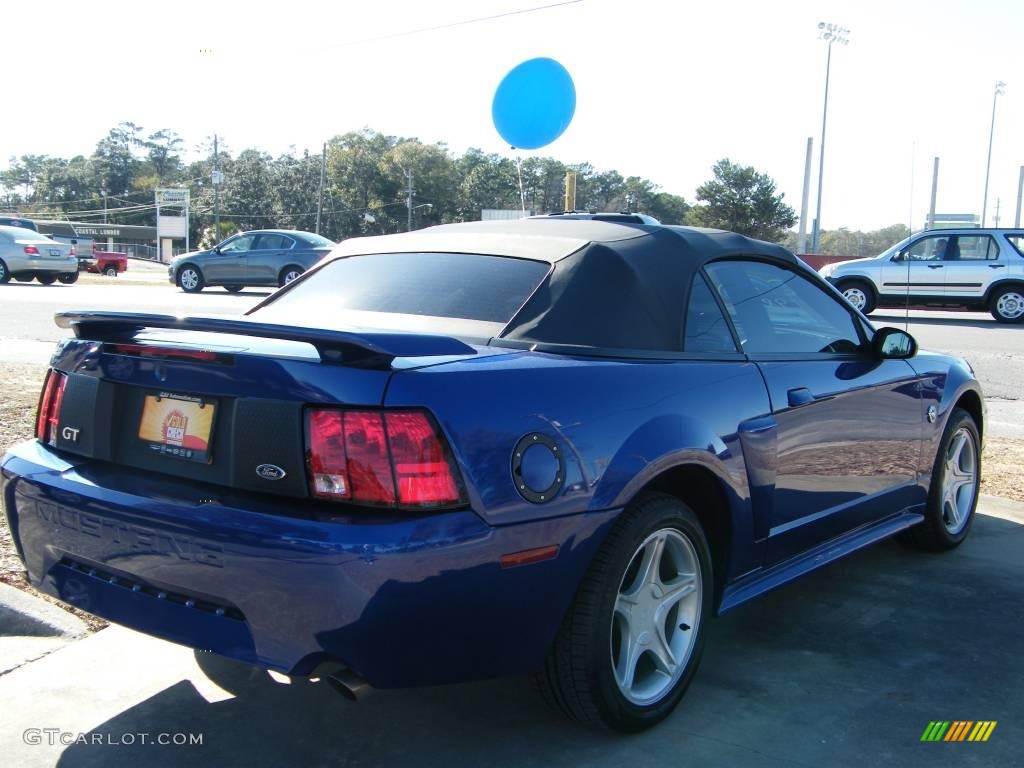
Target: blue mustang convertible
<point>552,446</point>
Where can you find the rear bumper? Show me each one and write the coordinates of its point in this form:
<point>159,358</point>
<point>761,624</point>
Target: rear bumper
<point>403,602</point>
<point>58,266</point>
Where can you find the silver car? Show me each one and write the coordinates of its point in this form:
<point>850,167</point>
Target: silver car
<point>27,255</point>
<point>263,257</point>
<point>959,268</point>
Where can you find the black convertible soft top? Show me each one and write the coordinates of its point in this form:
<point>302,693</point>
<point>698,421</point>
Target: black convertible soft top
<point>612,286</point>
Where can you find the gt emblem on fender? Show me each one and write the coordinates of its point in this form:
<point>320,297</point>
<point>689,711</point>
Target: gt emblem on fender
<point>70,434</point>
<point>270,472</point>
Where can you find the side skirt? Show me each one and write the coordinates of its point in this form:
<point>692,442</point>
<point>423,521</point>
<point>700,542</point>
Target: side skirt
<point>757,584</point>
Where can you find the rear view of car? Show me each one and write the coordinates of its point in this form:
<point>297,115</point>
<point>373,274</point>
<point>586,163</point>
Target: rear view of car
<point>26,255</point>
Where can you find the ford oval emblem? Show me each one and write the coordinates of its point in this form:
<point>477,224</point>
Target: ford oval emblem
<point>270,472</point>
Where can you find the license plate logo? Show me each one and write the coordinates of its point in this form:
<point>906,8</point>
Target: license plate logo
<point>178,425</point>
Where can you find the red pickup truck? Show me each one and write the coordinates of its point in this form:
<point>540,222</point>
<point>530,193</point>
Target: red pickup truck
<point>109,263</point>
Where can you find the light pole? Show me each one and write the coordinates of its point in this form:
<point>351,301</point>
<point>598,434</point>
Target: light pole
<point>830,33</point>
<point>1000,85</point>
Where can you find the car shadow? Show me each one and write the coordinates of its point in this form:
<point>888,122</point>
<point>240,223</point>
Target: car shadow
<point>899,319</point>
<point>863,654</point>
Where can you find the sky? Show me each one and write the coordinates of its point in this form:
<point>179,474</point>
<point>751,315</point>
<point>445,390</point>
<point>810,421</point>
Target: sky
<point>664,89</point>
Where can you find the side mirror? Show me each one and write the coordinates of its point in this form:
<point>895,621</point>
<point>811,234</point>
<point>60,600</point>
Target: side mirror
<point>893,344</point>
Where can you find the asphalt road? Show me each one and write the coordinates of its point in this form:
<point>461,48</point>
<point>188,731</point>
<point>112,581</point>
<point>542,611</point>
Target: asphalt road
<point>846,667</point>
<point>27,331</point>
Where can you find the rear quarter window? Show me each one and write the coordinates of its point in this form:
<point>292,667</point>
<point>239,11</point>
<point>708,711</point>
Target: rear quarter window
<point>1017,241</point>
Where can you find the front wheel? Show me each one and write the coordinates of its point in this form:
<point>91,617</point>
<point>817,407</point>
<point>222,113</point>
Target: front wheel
<point>859,294</point>
<point>5,275</point>
<point>190,279</point>
<point>1007,305</point>
<point>67,278</point>
<point>46,278</point>
<point>953,494</point>
<point>632,640</point>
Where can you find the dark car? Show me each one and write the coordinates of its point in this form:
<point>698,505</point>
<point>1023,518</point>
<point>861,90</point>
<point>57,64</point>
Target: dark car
<point>556,447</point>
<point>262,257</point>
<point>13,221</point>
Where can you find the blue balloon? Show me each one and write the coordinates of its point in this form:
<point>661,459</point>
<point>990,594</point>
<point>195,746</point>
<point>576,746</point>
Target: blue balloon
<point>534,103</point>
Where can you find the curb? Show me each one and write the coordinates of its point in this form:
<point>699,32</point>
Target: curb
<point>31,628</point>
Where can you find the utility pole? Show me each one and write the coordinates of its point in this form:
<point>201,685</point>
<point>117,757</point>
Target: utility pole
<point>830,33</point>
<point>801,240</point>
<point>991,133</point>
<point>935,190</point>
<point>1020,195</point>
<point>408,199</point>
<point>570,191</point>
<point>216,183</point>
<point>320,196</point>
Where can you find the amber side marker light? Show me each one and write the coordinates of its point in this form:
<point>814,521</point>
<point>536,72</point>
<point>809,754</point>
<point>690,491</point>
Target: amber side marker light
<point>527,556</point>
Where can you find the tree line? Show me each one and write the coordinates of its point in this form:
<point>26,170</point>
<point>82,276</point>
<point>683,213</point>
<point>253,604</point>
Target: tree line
<point>366,178</point>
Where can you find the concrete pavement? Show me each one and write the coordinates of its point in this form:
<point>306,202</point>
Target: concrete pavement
<point>844,668</point>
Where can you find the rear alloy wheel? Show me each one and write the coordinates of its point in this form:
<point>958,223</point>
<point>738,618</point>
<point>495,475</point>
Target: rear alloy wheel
<point>5,275</point>
<point>288,274</point>
<point>46,278</point>
<point>68,277</point>
<point>953,495</point>
<point>190,279</point>
<point>859,294</point>
<point>632,641</point>
<point>232,288</point>
<point>1007,305</point>
<point>110,270</point>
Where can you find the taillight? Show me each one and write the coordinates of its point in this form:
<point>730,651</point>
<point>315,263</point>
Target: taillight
<point>383,458</point>
<point>141,350</point>
<point>52,398</point>
<point>31,250</point>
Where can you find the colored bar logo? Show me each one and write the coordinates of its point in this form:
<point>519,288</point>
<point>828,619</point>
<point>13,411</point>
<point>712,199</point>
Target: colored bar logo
<point>959,730</point>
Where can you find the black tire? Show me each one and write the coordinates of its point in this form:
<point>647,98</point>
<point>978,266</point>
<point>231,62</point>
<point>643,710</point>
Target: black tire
<point>578,677</point>
<point>862,288</point>
<point>68,277</point>
<point>288,274</point>
<point>46,278</point>
<point>110,270</point>
<point>1007,304</point>
<point>232,288</point>
<point>194,284</point>
<point>5,274</point>
<point>935,533</point>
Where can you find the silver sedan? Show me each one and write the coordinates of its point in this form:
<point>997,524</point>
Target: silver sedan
<point>27,255</point>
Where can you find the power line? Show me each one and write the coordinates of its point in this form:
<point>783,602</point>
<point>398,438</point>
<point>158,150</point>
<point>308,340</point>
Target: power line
<point>452,24</point>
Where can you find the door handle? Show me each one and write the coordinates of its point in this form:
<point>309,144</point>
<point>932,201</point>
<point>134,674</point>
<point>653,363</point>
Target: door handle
<point>799,396</point>
<point>934,266</point>
<point>996,266</point>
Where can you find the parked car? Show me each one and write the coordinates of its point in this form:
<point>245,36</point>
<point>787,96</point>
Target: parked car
<point>14,221</point>
<point>978,269</point>
<point>262,257</point>
<point>27,255</point>
<point>109,263</point>
<point>553,446</point>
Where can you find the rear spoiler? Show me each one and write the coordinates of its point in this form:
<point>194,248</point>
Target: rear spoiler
<point>371,347</point>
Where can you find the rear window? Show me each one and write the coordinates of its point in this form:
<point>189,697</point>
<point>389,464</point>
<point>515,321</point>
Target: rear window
<point>429,292</point>
<point>28,234</point>
<point>318,241</point>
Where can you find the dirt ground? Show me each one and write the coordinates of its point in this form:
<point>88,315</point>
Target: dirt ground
<point>1001,463</point>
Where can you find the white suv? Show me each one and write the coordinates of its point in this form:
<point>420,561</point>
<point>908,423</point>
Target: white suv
<point>962,268</point>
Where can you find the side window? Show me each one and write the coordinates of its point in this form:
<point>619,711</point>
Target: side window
<point>274,243</point>
<point>927,249</point>
<point>973,247</point>
<point>240,244</point>
<point>1017,241</point>
<point>779,312</point>
<point>706,329</point>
